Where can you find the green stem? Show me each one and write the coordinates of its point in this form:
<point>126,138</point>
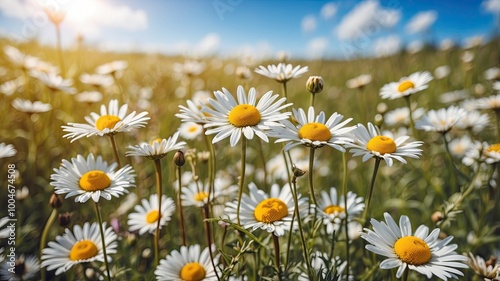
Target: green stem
<point>410,115</point>
<point>497,115</point>
<point>454,180</point>
<point>43,239</point>
<point>370,191</point>
<point>301,231</point>
<point>179,202</point>
<point>115,150</point>
<point>211,166</point>
<point>263,159</point>
<point>405,274</point>
<point>208,232</point>
<point>312,99</point>
<point>311,180</point>
<point>99,220</point>
<point>242,176</point>
<point>160,193</point>
<point>277,255</point>
<point>346,227</point>
<point>285,94</point>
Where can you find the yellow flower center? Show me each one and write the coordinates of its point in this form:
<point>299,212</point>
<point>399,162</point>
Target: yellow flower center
<point>158,140</point>
<point>412,250</point>
<point>405,85</point>
<point>193,129</point>
<point>83,250</point>
<point>193,271</point>
<point>106,121</point>
<point>381,145</point>
<point>244,115</point>
<point>94,180</point>
<point>270,210</point>
<point>315,132</point>
<point>200,196</point>
<point>333,209</point>
<point>152,216</point>
<point>493,148</point>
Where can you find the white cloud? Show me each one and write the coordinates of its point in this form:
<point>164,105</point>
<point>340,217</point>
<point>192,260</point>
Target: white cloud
<point>421,22</point>
<point>208,45</point>
<point>492,6</point>
<point>255,51</point>
<point>387,45</point>
<point>316,47</point>
<point>328,10</point>
<point>87,17</point>
<point>309,23</point>
<point>366,18</point>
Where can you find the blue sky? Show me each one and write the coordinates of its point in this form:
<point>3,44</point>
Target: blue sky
<point>260,27</point>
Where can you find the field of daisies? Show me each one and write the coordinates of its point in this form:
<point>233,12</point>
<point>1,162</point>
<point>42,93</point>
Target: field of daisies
<point>145,167</point>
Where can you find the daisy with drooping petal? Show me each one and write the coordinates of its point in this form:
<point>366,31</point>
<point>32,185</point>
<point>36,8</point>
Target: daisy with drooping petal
<point>31,107</point>
<point>91,178</point>
<point>369,143</point>
<point>313,130</point>
<point>281,72</point>
<point>112,120</point>
<point>419,251</point>
<point>7,150</point>
<point>157,149</point>
<point>245,117</point>
<point>82,245</point>
<point>333,209</point>
<point>192,113</point>
<point>490,272</point>
<point>145,218</point>
<point>25,268</point>
<point>406,86</point>
<point>272,213</point>
<point>189,263</point>
<point>441,120</point>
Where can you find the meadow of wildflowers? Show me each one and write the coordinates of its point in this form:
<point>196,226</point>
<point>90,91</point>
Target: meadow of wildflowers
<point>127,166</point>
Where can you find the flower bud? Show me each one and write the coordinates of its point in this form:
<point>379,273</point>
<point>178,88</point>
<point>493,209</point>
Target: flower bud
<point>297,172</point>
<point>437,216</point>
<point>179,159</point>
<point>55,201</point>
<point>64,219</point>
<point>314,84</point>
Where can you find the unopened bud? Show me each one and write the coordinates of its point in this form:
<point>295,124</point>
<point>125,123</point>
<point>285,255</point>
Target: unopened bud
<point>382,108</point>
<point>203,156</point>
<point>243,73</point>
<point>437,217</point>
<point>492,261</point>
<point>297,172</point>
<point>64,219</point>
<point>179,159</point>
<point>55,201</point>
<point>314,84</point>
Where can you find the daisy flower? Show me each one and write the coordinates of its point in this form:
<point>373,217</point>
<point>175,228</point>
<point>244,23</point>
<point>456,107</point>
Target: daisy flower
<point>89,97</point>
<point>8,88</point>
<point>474,120</point>
<point>370,143</point>
<point>19,59</point>
<point>491,102</point>
<point>454,96</point>
<point>313,130</point>
<point>442,71</point>
<point>333,209</point>
<point>189,68</point>
<point>190,263</point>
<point>281,72</point>
<point>243,117</point>
<point>157,149</point>
<point>4,231</point>
<point>91,178</point>
<point>490,272</point>
<point>272,212</point>
<point>359,82</point>
<point>406,86</point>
<point>401,116</point>
<point>419,251</point>
<point>441,120</point>
<point>30,107</point>
<point>112,120</point>
<point>114,68</point>
<point>459,146</point>
<point>192,113</point>
<point>491,153</point>
<point>96,80</point>
<point>25,268</point>
<point>54,82</point>
<point>190,130</point>
<point>7,150</point>
<point>82,245</point>
<point>193,195</point>
<point>145,217</point>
